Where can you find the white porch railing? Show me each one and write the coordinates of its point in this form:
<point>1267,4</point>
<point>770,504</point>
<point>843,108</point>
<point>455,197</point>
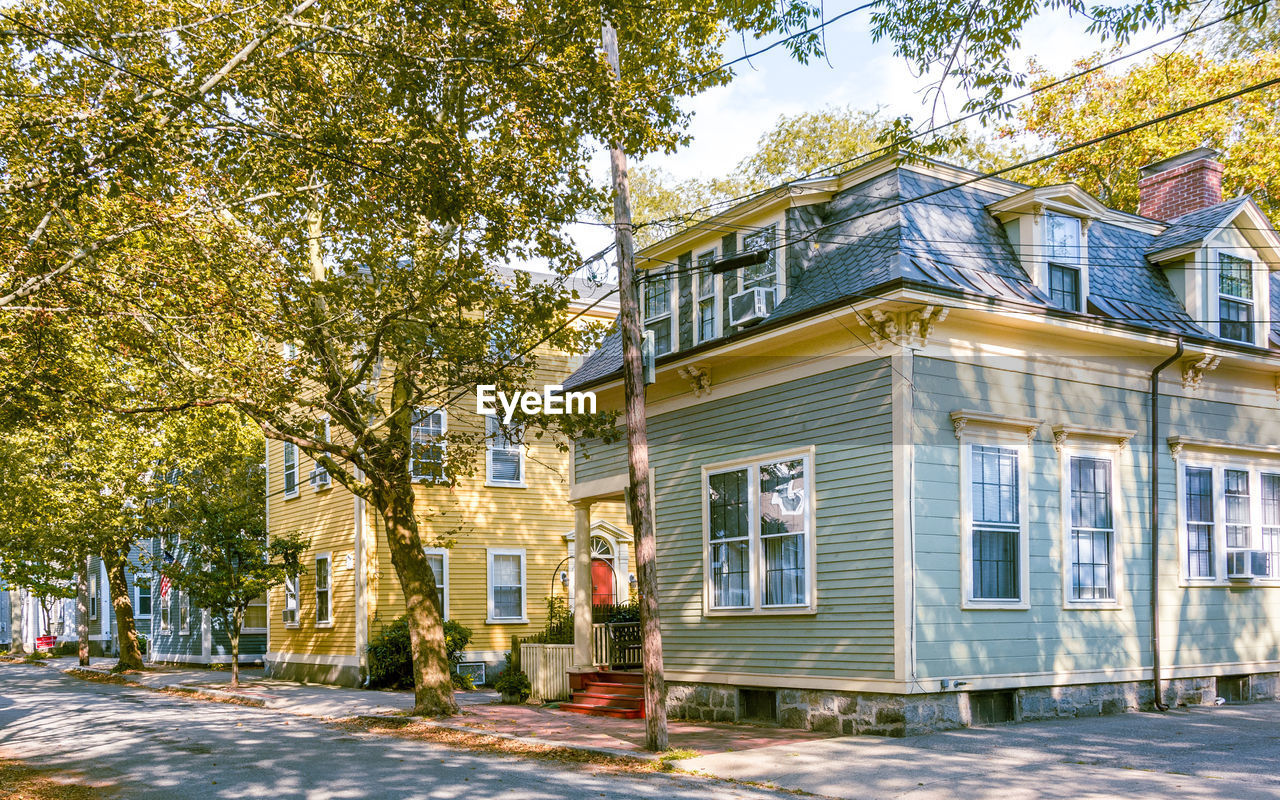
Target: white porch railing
<point>547,666</point>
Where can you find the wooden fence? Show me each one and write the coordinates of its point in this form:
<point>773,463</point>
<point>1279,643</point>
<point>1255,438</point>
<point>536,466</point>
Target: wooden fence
<point>547,666</point>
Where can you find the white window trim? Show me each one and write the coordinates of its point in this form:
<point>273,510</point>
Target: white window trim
<point>95,597</point>
<point>1219,457</point>
<point>489,480</point>
<point>137,600</point>
<point>1014,440</point>
<point>285,470</point>
<point>444,429</point>
<point>184,625</point>
<point>295,580</point>
<point>717,298</point>
<point>1255,302</point>
<point>779,254</point>
<point>673,305</point>
<point>267,606</point>
<point>523,619</point>
<point>443,552</point>
<point>1112,455</point>
<point>166,611</point>
<point>755,551</point>
<point>315,591</point>
<point>318,469</point>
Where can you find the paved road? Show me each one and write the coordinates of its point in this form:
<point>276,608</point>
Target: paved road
<point>158,746</point>
<point>1224,753</point>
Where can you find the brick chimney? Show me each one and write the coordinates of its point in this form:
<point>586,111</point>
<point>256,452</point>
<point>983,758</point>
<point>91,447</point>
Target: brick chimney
<point>1180,185</point>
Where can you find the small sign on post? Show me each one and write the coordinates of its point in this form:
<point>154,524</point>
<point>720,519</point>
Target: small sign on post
<point>45,644</point>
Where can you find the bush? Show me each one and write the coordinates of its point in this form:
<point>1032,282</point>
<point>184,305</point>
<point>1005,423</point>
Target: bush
<point>66,648</point>
<point>463,682</point>
<point>391,656</point>
<point>513,684</point>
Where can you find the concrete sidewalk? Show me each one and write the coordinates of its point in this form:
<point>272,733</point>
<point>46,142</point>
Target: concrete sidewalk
<point>1223,753</point>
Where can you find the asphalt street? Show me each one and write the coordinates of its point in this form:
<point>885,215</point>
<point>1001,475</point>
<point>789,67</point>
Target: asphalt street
<point>152,745</point>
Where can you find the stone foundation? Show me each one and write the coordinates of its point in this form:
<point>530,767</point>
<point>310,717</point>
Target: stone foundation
<point>335,674</point>
<point>909,715</point>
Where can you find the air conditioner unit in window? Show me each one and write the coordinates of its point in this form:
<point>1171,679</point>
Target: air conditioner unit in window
<point>1246,564</point>
<point>288,615</point>
<point>319,479</point>
<point>751,306</point>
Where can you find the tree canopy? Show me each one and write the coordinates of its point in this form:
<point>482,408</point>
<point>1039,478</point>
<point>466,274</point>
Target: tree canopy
<point>1245,129</point>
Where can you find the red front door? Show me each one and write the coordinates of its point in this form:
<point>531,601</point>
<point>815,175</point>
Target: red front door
<point>601,583</point>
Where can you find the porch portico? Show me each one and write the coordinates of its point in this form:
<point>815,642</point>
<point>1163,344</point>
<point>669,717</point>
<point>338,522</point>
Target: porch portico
<point>583,496</point>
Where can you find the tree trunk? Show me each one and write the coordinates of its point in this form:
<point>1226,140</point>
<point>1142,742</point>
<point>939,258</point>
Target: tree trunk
<point>629,324</point>
<point>122,605</point>
<point>82,615</point>
<point>234,626</point>
<point>17,607</point>
<point>432,685</point>
<point>46,605</point>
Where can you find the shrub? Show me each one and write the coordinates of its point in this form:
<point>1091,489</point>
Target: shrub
<point>391,655</point>
<point>463,681</point>
<point>513,684</point>
<point>66,648</point>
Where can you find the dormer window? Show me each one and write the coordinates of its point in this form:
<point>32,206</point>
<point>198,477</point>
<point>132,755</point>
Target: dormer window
<point>764,275</point>
<point>707,324</point>
<point>1062,238</point>
<point>1064,286</point>
<point>657,312</point>
<point>1062,248</point>
<point>1235,298</point>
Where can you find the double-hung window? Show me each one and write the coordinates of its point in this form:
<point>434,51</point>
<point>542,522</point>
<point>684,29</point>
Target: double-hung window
<point>142,596</point>
<point>165,611</point>
<point>289,614</point>
<point>759,535</point>
<point>290,469</point>
<point>1064,286</point>
<point>1091,538</point>
<point>324,589</point>
<point>707,301</point>
<point>765,274</point>
<point>504,459</point>
<point>427,444</point>
<point>995,528</point>
<point>1063,251</point>
<point>184,613</point>
<point>1271,522</point>
<point>320,475</point>
<point>657,310</point>
<point>438,558</point>
<point>94,597</point>
<point>1235,298</point>
<point>1199,516</point>
<point>255,616</point>
<point>506,585</point>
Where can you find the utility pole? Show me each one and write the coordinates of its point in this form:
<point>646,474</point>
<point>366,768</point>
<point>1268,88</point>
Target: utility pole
<point>641,506</point>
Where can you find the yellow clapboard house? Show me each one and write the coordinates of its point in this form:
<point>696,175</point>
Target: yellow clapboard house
<point>500,542</point>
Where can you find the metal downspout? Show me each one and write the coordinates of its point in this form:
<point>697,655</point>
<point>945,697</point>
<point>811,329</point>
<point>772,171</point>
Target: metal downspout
<point>1155,523</point>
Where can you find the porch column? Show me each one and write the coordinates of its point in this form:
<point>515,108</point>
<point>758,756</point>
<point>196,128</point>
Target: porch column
<point>582,656</point>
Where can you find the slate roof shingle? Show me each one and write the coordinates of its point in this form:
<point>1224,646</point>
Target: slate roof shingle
<point>950,241</point>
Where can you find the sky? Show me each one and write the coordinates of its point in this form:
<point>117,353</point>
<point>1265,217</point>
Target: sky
<point>728,120</point>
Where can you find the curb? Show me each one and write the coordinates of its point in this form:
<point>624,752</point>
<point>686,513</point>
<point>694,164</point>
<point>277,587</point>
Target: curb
<point>213,694</point>
<point>530,740</point>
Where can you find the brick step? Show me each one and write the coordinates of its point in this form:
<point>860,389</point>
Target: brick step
<point>613,700</point>
<point>616,676</point>
<point>628,689</point>
<point>603,711</point>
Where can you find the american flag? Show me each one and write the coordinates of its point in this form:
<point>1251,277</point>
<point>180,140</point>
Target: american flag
<point>164,579</point>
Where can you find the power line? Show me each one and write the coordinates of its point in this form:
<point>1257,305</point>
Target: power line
<point>810,234</point>
<point>828,169</point>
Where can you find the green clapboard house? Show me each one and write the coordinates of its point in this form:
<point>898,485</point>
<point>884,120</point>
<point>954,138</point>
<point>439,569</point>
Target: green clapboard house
<point>902,451</point>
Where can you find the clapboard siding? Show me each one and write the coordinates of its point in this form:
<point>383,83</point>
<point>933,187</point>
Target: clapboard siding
<point>1203,625</point>
<point>846,415</point>
<point>467,519</point>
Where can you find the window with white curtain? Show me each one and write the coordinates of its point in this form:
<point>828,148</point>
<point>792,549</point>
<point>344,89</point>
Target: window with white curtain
<point>506,585</point>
